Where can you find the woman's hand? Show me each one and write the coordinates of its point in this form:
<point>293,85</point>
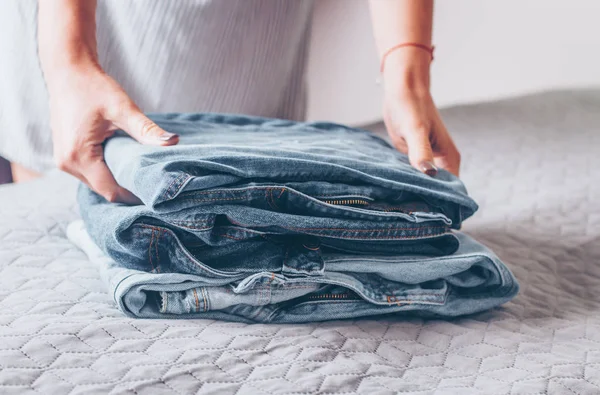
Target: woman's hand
<point>86,107</point>
<point>411,118</point>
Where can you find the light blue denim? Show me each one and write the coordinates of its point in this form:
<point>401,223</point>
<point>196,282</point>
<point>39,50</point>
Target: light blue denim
<point>261,220</point>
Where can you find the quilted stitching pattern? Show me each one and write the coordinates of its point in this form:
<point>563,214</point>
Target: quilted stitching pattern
<point>531,163</point>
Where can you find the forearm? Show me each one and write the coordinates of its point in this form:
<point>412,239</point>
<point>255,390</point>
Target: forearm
<point>401,21</point>
<point>66,35</point>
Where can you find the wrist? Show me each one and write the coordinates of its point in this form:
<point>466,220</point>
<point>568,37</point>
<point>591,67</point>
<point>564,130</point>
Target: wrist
<point>58,73</point>
<point>407,70</point>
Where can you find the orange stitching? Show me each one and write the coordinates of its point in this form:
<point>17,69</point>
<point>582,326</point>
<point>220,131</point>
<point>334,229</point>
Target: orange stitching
<point>231,237</point>
<point>397,209</point>
<point>368,230</point>
<point>346,229</point>
<point>309,248</point>
<point>337,237</point>
<point>192,222</point>
<point>147,226</point>
<point>393,299</point>
<point>171,184</point>
<point>157,254</point>
<point>196,297</point>
<point>273,199</point>
<point>267,199</point>
<point>213,200</point>
<point>281,193</point>
<point>150,250</point>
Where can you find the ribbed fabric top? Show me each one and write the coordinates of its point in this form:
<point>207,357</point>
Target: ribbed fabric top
<point>236,56</point>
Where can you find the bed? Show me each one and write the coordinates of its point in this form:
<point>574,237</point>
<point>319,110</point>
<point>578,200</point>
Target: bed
<point>533,165</point>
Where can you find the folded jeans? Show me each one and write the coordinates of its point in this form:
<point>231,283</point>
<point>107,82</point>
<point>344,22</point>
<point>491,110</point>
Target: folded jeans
<point>263,220</point>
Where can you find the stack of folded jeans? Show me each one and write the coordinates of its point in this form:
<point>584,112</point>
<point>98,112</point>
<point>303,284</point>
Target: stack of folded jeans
<point>260,220</point>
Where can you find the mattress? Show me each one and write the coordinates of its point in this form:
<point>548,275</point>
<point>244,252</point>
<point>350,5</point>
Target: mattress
<point>533,165</point>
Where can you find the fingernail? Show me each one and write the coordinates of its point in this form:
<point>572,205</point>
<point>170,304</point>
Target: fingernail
<point>428,168</point>
<point>167,136</point>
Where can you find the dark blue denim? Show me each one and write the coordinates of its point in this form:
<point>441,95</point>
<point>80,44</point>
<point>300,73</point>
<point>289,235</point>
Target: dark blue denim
<point>264,220</point>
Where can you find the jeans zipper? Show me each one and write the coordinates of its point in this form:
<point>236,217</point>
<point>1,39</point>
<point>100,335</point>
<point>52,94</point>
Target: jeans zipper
<point>330,296</point>
<point>362,202</point>
<point>347,202</point>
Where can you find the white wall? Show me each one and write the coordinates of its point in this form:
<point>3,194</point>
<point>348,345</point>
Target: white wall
<point>484,50</point>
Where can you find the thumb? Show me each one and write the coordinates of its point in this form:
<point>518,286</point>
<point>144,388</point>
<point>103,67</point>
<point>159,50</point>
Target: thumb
<point>420,153</point>
<point>143,129</point>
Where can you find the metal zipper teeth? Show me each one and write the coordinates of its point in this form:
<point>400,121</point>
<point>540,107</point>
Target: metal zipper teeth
<point>397,209</point>
<point>346,202</point>
<point>329,296</point>
<point>350,202</point>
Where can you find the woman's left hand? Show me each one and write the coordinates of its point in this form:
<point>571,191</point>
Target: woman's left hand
<point>412,119</point>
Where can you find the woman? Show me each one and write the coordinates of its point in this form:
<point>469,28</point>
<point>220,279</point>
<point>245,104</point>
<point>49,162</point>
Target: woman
<point>242,56</point>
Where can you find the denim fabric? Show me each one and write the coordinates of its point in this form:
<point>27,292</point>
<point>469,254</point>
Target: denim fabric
<point>263,220</point>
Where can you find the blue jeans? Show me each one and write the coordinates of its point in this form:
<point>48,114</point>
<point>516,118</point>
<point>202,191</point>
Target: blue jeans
<point>263,220</point>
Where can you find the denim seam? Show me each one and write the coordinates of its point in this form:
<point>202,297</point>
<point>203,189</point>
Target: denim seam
<point>273,199</point>
<point>344,196</point>
<point>177,183</point>
<point>366,294</point>
<point>342,229</point>
<point>205,297</point>
<point>196,299</point>
<point>150,250</point>
<point>185,223</point>
<point>192,197</point>
<point>276,286</point>
<point>298,228</point>
<point>164,297</point>
<point>292,228</point>
<point>194,261</point>
<point>269,199</point>
<point>311,248</point>
<point>156,244</point>
<point>214,200</point>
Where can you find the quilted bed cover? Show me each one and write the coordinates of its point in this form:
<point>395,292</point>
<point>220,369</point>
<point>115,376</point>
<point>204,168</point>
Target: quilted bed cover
<point>533,165</point>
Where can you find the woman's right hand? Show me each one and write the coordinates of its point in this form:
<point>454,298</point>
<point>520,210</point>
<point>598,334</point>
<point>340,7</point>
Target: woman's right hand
<point>86,107</point>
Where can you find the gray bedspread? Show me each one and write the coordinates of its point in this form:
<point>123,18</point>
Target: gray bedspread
<point>533,164</point>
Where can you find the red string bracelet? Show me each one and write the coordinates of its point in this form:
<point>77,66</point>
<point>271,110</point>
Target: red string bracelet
<point>395,47</point>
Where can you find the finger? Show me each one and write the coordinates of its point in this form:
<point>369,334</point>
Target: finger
<point>72,170</point>
<point>420,153</point>
<point>399,143</point>
<point>101,180</point>
<point>397,140</point>
<point>447,156</point>
<point>142,128</point>
<point>449,160</point>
